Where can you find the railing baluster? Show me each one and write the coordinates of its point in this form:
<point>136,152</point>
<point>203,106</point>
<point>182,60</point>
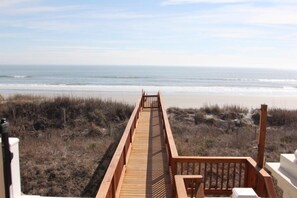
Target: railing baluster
<point>113,188</point>
<point>197,168</point>
<point>210,179</point>
<point>228,171</point>
<point>222,175</point>
<point>130,135</point>
<point>217,175</point>
<point>125,155</point>
<point>182,168</point>
<point>240,172</point>
<point>234,175</point>
<point>205,174</point>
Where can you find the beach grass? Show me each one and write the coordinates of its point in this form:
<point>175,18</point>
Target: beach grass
<point>65,143</point>
<point>232,131</point>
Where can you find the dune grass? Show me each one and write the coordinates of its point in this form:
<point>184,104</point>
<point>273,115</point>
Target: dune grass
<point>232,131</point>
<point>64,141</point>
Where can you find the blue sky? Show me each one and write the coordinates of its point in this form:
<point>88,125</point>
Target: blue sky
<point>237,33</point>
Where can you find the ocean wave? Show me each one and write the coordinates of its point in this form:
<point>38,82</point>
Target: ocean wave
<point>14,76</point>
<point>21,76</point>
<point>121,77</point>
<point>222,90</point>
<point>290,88</point>
<point>279,80</point>
<point>211,79</point>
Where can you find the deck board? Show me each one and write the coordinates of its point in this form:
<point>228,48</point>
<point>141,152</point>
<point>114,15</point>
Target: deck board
<point>147,173</point>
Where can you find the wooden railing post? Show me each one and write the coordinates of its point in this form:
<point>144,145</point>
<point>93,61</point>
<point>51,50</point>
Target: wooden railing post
<point>173,172</point>
<point>262,136</point>
<point>250,174</point>
<point>142,99</point>
<point>189,185</point>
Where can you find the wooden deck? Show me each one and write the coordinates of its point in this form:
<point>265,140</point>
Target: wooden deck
<point>147,173</point>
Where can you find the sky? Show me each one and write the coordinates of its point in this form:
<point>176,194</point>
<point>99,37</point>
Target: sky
<point>233,33</point>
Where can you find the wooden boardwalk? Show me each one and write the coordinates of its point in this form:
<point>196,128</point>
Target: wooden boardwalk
<point>147,173</point>
<point>140,168</point>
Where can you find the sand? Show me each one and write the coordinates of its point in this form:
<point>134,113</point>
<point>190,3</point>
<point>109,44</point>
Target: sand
<point>182,100</point>
<point>189,101</point>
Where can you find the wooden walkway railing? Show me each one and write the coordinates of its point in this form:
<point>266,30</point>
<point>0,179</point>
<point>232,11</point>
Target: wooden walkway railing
<point>220,174</point>
<point>215,175</point>
<point>110,185</point>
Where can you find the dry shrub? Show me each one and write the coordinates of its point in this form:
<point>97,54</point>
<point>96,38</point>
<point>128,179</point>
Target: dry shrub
<point>215,109</point>
<point>229,131</point>
<point>235,109</point>
<point>64,141</point>
<point>53,166</point>
<point>281,117</point>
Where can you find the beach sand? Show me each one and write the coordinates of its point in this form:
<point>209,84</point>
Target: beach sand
<point>182,100</point>
<point>188,101</point>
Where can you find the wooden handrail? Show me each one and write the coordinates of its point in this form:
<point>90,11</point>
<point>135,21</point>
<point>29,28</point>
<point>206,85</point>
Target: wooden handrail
<point>217,159</point>
<point>116,168</point>
<point>180,186</point>
<point>189,185</point>
<point>244,169</point>
<point>167,129</point>
<point>259,180</point>
<point>269,185</point>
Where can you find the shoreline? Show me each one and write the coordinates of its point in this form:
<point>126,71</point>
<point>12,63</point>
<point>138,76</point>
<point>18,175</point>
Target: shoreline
<point>177,99</point>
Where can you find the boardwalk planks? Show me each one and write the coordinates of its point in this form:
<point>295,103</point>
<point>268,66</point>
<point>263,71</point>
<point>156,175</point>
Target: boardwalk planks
<point>147,173</point>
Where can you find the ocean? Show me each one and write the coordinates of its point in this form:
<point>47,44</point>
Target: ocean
<point>184,80</point>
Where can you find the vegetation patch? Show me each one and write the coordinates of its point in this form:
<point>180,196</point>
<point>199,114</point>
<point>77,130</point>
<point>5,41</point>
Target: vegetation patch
<point>66,144</point>
<point>232,131</point>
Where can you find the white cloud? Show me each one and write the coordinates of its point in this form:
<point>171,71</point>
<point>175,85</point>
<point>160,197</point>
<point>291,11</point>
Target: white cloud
<point>47,25</point>
<point>176,2</point>
<point>244,14</point>
<point>235,22</point>
<point>10,35</point>
<point>70,11</point>
<point>235,33</point>
<point>274,16</point>
<point>119,14</point>
<point>38,9</point>
<point>14,3</point>
<point>73,48</point>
